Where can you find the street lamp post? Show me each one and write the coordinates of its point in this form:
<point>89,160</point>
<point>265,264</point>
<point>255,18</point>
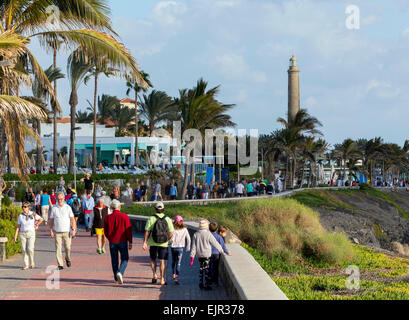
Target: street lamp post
<point>75,161</point>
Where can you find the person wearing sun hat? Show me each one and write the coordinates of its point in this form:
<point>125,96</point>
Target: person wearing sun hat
<point>202,244</point>
<point>160,228</point>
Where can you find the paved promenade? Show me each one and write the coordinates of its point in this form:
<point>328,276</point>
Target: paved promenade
<point>90,277</point>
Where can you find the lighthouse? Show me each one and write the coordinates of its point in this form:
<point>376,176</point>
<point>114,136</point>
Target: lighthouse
<point>293,89</point>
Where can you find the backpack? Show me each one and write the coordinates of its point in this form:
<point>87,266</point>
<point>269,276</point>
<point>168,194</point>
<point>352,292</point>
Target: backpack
<point>76,205</point>
<point>160,231</point>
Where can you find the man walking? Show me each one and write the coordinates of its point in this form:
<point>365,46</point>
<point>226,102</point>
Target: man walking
<point>88,205</point>
<point>61,220</point>
<point>144,194</point>
<point>159,230</point>
<point>118,231</point>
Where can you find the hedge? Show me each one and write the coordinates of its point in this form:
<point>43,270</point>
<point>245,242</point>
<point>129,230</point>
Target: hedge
<point>70,177</point>
<point>10,213</point>
<point>8,229</point>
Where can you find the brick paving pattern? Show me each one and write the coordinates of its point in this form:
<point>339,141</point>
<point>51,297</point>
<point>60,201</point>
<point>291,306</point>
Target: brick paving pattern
<point>90,277</point>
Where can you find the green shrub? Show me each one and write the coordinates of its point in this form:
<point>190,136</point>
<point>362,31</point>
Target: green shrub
<point>6,201</point>
<point>281,228</point>
<point>365,186</point>
<point>8,229</point>
<point>10,213</point>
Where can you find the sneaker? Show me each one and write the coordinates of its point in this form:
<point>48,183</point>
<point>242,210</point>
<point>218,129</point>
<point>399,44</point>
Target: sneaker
<point>119,277</point>
<point>68,263</point>
<point>177,281</point>
<point>103,250</point>
<point>60,267</point>
<point>99,251</point>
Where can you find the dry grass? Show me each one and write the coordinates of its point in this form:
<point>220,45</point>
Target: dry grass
<point>287,228</point>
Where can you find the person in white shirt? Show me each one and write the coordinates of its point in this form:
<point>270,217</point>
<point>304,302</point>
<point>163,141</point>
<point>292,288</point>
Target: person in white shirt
<point>61,220</point>
<point>27,223</point>
<point>129,191</point>
<point>239,189</point>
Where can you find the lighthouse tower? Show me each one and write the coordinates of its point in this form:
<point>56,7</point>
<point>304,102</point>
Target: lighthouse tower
<point>293,89</point>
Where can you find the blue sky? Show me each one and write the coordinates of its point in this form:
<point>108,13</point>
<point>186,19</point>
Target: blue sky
<point>354,81</point>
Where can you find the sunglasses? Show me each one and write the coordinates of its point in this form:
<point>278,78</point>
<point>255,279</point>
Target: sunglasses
<point>26,207</point>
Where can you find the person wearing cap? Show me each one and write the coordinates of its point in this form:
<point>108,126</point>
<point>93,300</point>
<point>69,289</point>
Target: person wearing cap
<point>118,231</point>
<point>157,250</point>
<point>202,244</point>
<point>179,238</point>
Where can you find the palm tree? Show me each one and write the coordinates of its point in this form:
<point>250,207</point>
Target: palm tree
<point>293,135</point>
<point>41,94</point>
<point>100,65</point>
<point>122,116</point>
<point>83,22</point>
<point>157,107</point>
<point>199,109</point>
<point>77,69</point>
<point>347,150</point>
<point>370,150</point>
<point>135,87</point>
<point>106,104</point>
<point>83,117</point>
<point>55,46</point>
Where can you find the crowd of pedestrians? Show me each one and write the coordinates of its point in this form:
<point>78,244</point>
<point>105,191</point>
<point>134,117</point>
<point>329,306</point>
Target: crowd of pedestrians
<point>60,211</point>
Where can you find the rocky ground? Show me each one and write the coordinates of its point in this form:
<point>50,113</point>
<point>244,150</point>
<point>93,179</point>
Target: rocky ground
<point>370,221</point>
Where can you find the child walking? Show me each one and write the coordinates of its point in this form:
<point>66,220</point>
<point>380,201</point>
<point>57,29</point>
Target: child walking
<point>180,236</point>
<point>202,244</point>
<point>215,258</point>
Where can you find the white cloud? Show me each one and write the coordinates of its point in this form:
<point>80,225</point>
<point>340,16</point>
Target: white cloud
<point>234,66</point>
<point>169,14</point>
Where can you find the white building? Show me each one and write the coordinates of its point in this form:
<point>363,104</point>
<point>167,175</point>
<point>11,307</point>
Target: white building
<point>107,144</point>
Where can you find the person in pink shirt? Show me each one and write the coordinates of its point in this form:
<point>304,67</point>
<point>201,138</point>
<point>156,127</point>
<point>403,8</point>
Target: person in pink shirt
<point>180,237</point>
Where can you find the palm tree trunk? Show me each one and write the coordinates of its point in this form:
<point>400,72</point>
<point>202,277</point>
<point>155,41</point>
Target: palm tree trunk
<point>302,175</point>
<point>192,173</point>
<point>137,162</point>
<point>286,174</point>
<point>94,138</point>
<point>55,148</point>
<point>38,164</point>
<point>73,101</point>
<point>186,179</point>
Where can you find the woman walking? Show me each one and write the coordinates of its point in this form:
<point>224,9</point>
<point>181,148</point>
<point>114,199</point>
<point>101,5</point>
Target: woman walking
<point>100,212</point>
<point>27,223</point>
<point>180,236</point>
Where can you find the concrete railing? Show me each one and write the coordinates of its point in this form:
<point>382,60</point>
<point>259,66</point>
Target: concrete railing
<point>242,276</point>
<point>3,243</point>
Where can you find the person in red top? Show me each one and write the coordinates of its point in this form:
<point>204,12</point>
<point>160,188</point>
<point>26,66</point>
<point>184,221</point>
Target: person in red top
<point>53,197</point>
<point>118,231</point>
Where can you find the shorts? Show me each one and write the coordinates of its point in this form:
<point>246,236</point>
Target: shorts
<point>99,231</point>
<point>160,253</point>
